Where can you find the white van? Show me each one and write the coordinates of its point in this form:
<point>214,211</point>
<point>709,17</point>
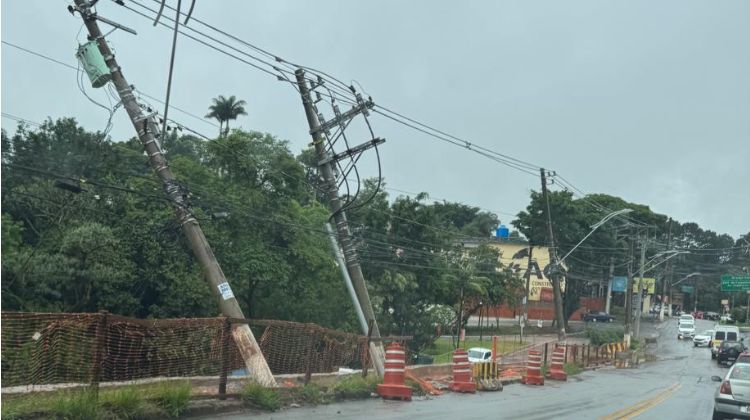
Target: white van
<point>721,333</point>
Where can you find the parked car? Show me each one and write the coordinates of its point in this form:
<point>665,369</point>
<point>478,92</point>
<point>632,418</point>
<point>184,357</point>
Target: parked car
<point>727,318</point>
<point>729,351</point>
<point>686,329</point>
<point>479,354</point>
<point>744,357</point>
<point>598,317</point>
<point>712,316</point>
<point>704,338</point>
<point>730,399</point>
<point>721,333</point>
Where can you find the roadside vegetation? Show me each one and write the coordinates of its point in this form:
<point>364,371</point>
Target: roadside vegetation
<point>442,349</point>
<point>603,334</point>
<point>152,401</point>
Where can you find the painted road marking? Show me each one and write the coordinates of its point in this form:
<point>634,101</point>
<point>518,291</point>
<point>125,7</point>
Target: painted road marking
<point>643,406</point>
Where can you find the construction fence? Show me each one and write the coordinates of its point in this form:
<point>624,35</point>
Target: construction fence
<point>585,355</point>
<point>90,348</point>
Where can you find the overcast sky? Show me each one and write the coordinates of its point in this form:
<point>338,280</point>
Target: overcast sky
<point>646,100</point>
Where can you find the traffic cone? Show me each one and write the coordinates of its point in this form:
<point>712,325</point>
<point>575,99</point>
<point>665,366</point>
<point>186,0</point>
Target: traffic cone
<point>393,387</point>
<point>557,369</point>
<point>533,369</point>
<point>462,381</point>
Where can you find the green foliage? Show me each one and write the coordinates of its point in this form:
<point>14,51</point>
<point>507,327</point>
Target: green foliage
<point>739,314</point>
<point>604,335</point>
<point>127,403</point>
<point>355,387</point>
<point>572,368</point>
<point>173,397</point>
<point>311,394</point>
<point>258,396</point>
<point>78,405</point>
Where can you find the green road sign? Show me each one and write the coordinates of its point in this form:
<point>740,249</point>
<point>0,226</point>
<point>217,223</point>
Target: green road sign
<point>687,289</point>
<point>735,283</point>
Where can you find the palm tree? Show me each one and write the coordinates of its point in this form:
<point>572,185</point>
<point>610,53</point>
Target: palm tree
<point>225,109</point>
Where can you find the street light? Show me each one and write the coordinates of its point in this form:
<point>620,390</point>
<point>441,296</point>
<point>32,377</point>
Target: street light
<point>661,315</point>
<point>594,227</point>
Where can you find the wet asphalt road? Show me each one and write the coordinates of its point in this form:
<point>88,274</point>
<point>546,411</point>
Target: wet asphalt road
<point>678,386</point>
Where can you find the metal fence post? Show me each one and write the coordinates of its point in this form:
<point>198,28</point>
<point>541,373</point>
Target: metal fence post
<point>224,351</point>
<point>99,350</point>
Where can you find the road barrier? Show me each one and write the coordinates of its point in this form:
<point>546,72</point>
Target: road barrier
<point>462,380</point>
<point>533,374</point>
<point>487,376</point>
<point>393,387</point>
<point>557,368</point>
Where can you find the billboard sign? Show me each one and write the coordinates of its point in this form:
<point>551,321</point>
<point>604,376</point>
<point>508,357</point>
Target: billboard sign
<point>619,283</point>
<point>647,283</point>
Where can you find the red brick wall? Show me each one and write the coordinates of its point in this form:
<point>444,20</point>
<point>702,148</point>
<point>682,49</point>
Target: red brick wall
<point>546,310</point>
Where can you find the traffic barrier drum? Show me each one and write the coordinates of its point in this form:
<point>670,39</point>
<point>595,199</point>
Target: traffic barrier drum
<point>393,387</point>
<point>533,369</point>
<point>557,367</point>
<point>462,381</point>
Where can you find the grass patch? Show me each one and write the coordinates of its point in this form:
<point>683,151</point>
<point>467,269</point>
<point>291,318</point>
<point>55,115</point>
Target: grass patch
<point>173,397</point>
<point>79,405</point>
<point>310,394</point>
<point>355,387</point>
<point>572,369</point>
<point>156,401</point>
<point>442,349</point>
<point>126,403</point>
<point>258,396</point>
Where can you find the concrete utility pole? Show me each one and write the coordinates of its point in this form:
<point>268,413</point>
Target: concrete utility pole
<point>667,278</point>
<point>640,292</point>
<point>609,283</point>
<point>342,226</point>
<point>528,290</point>
<point>629,295</point>
<point>554,263</point>
<point>146,127</point>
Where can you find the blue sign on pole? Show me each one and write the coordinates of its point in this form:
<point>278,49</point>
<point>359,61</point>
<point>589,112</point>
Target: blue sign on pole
<point>619,283</point>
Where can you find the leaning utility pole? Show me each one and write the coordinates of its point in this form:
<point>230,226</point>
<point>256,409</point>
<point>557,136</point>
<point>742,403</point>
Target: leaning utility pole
<point>146,127</point>
<point>638,309</point>
<point>325,167</point>
<point>554,272</point>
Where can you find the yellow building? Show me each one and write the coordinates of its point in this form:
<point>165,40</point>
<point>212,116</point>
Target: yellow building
<point>514,253</point>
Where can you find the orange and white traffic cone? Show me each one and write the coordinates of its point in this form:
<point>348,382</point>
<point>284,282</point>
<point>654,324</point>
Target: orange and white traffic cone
<point>393,387</point>
<point>462,380</point>
<point>557,368</point>
<point>533,369</point>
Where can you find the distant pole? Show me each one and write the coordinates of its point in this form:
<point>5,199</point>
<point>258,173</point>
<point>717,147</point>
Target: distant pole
<point>609,283</point>
<point>555,271</point>
<point>145,128</point>
<point>640,292</point>
<point>525,319</point>
<point>668,278</point>
<point>629,292</point>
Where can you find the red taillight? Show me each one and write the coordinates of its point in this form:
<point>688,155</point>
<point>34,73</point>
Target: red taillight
<point>725,388</point>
